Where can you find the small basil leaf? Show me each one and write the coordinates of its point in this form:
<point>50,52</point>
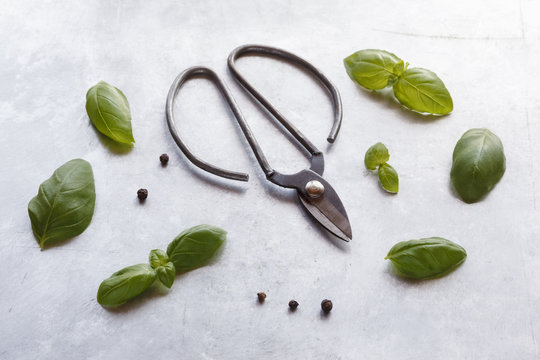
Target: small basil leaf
<point>166,273</point>
<point>108,109</point>
<point>421,90</point>
<point>125,284</point>
<point>373,69</point>
<point>375,156</point>
<point>478,163</point>
<point>389,178</point>
<point>158,258</point>
<point>194,247</point>
<point>426,258</point>
<point>64,205</point>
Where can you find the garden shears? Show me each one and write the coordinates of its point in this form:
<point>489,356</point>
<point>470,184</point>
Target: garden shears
<point>316,195</point>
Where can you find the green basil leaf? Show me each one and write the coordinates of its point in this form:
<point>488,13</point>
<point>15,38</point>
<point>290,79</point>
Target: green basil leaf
<point>478,163</point>
<point>125,284</point>
<point>376,155</point>
<point>389,178</point>
<point>166,274</point>
<point>374,69</point>
<point>421,90</point>
<point>64,205</point>
<point>108,109</point>
<point>194,247</point>
<point>426,258</point>
<point>165,269</point>
<point>158,258</point>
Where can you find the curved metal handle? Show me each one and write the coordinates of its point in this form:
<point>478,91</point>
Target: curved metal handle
<point>282,54</point>
<point>211,75</point>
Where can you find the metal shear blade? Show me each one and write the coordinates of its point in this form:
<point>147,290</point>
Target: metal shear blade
<point>330,214</point>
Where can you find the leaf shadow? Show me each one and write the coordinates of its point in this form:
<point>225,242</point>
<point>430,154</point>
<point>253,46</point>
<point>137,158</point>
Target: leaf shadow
<point>386,97</point>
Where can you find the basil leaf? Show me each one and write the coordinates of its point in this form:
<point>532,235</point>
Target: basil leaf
<point>125,284</point>
<point>421,90</point>
<point>194,247</point>
<point>374,69</point>
<point>478,163</point>
<point>164,268</point>
<point>389,178</point>
<point>166,274</point>
<point>426,258</point>
<point>376,155</point>
<point>158,258</point>
<point>64,205</point>
<point>108,109</point>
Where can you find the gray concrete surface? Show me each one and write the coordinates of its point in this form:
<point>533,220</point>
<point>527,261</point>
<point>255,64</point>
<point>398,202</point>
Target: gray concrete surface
<point>487,53</point>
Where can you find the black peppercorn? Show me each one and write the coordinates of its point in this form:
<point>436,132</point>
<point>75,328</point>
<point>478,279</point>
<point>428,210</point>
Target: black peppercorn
<point>326,306</point>
<point>142,194</point>
<point>261,296</point>
<point>164,158</point>
<point>293,304</point>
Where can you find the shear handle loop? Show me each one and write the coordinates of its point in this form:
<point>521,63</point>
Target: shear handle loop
<point>279,53</point>
<point>212,76</point>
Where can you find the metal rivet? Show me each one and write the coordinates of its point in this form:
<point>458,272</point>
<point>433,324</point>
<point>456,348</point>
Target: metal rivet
<point>314,188</point>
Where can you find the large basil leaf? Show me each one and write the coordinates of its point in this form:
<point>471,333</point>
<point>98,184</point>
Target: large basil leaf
<point>194,247</point>
<point>426,258</point>
<point>389,178</point>
<point>374,69</point>
<point>421,90</point>
<point>108,109</point>
<point>478,163</point>
<point>376,155</point>
<point>64,205</point>
<point>165,269</point>
<point>125,284</point>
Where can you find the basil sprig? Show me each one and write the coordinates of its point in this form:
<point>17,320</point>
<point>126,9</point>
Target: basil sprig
<point>191,249</point>
<point>108,109</point>
<point>64,205</point>
<point>426,258</point>
<point>417,89</point>
<point>478,163</point>
<point>376,159</point>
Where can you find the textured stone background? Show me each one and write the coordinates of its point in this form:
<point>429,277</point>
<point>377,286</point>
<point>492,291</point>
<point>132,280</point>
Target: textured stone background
<point>487,53</point>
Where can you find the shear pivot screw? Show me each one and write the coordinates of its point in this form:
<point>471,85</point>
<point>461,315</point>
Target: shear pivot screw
<point>314,188</point>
